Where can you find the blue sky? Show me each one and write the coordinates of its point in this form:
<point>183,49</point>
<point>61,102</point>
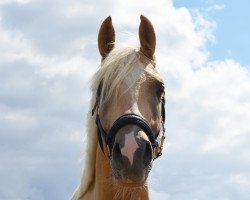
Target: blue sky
<point>232,30</point>
<point>48,56</point>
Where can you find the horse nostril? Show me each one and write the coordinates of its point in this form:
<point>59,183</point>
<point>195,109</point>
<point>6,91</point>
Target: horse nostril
<point>117,152</point>
<point>148,154</point>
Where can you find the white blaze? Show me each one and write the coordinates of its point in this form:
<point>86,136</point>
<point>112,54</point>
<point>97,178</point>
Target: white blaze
<point>130,146</point>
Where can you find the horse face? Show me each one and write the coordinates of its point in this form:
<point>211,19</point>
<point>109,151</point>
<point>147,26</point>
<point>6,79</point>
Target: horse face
<point>132,154</point>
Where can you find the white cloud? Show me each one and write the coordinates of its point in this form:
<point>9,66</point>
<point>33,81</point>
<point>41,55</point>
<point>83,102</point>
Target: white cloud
<point>15,1</point>
<point>220,90</point>
<point>159,195</point>
<point>216,7</point>
<point>49,52</point>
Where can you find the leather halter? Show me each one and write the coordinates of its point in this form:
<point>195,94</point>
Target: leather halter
<point>126,119</point>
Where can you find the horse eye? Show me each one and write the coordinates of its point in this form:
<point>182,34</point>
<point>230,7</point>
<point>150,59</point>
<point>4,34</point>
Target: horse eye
<point>160,90</point>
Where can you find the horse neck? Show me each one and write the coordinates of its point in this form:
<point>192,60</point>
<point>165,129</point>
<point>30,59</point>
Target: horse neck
<point>102,187</point>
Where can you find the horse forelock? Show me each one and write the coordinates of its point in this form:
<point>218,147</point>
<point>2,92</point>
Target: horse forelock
<point>113,71</point>
<point>120,66</point>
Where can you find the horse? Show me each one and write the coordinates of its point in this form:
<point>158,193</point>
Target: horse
<point>125,129</point>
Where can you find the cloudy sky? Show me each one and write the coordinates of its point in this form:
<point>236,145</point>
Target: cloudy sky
<point>48,53</point>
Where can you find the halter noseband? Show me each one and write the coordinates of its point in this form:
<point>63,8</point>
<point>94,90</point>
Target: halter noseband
<point>127,119</point>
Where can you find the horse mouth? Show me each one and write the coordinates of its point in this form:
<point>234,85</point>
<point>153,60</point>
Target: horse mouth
<point>130,184</point>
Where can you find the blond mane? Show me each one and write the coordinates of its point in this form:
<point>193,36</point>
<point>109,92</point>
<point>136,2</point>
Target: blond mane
<point>117,66</point>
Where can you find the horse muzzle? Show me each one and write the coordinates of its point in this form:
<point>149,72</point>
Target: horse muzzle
<point>132,157</point>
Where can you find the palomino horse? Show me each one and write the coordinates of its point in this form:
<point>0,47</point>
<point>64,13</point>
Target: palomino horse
<point>126,118</point>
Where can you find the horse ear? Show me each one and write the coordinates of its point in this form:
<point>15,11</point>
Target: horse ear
<point>106,37</point>
<point>147,38</point>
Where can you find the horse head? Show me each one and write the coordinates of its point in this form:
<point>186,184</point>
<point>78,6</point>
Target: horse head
<point>130,104</point>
